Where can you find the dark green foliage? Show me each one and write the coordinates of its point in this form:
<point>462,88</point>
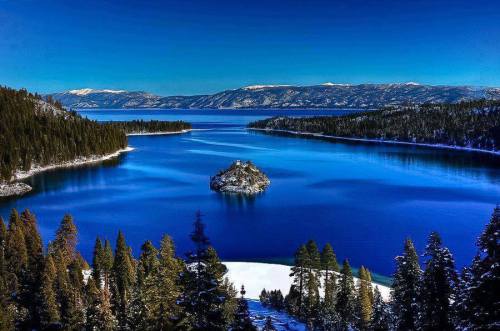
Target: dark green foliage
<point>438,281</point>
<point>364,299</point>
<point>299,274</point>
<point>141,126</point>
<point>380,319</point>
<point>479,293</point>
<point>205,295</point>
<point>162,292</point>
<point>31,135</point>
<point>346,298</point>
<point>273,299</point>
<point>97,263</point>
<point>242,321</point>
<point>330,267</point>
<point>122,280</point>
<point>466,124</point>
<point>406,289</point>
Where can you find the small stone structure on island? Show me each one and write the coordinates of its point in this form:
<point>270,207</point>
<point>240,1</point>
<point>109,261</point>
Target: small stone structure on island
<point>240,177</point>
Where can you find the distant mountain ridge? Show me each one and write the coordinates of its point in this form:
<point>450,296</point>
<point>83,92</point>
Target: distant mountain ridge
<point>324,96</point>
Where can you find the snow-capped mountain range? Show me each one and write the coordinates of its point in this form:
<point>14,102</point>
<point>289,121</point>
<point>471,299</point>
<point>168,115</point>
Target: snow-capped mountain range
<point>327,95</point>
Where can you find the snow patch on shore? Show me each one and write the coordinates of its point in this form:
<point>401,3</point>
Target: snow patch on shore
<point>73,163</point>
<point>257,276</point>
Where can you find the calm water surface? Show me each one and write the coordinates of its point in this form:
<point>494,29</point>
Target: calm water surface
<point>363,198</point>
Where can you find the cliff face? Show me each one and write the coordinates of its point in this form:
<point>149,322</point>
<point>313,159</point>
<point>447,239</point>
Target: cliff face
<point>240,177</point>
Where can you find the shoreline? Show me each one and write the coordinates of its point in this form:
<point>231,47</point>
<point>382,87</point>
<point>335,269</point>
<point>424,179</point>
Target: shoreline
<point>11,188</point>
<point>159,133</point>
<point>394,142</point>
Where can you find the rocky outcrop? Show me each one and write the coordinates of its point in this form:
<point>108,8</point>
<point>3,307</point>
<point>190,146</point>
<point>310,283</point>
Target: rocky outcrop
<point>12,189</point>
<point>240,177</point>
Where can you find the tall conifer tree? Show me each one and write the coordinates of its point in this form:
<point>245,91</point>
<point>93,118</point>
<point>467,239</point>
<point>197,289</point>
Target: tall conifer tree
<point>406,289</point>
<point>481,309</point>
<point>346,301</point>
<point>438,281</point>
<point>330,268</point>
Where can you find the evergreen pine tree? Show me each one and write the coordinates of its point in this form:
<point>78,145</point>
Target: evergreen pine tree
<point>346,300</point>
<point>405,289</point>
<point>364,299</point>
<point>313,276</point>
<point>122,280</point>
<point>16,256</point>
<point>380,316</point>
<point>63,247</point>
<point>34,249</point>
<point>299,274</point>
<point>97,262</point>
<point>437,287</point>
<point>242,319</point>
<point>482,295</point>
<point>330,268</point>
<point>148,262</point>
<point>269,325</point>
<point>163,289</point>
<point>107,261</point>
<point>204,295</point>
<point>6,314</point>
<point>49,309</point>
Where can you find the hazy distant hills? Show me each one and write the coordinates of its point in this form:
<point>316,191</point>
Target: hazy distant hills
<point>327,95</point>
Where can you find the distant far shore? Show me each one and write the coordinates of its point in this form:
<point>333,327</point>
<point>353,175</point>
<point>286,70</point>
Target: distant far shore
<point>320,135</point>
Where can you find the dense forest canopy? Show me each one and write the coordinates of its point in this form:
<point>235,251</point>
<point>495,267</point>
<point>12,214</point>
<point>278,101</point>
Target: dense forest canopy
<point>141,126</point>
<point>474,124</point>
<point>37,132</point>
<point>54,288</point>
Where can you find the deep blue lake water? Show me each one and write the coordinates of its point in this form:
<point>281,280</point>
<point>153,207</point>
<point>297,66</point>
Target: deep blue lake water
<point>364,198</point>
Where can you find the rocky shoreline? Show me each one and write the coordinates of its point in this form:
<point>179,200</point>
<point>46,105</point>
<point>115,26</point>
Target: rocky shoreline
<point>241,178</point>
<point>15,188</point>
<point>12,189</point>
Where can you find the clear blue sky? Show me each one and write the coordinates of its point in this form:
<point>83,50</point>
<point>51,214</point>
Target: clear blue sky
<point>191,47</point>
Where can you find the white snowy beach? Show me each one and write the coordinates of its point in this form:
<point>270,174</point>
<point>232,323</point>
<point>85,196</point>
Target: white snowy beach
<point>441,146</point>
<point>257,276</point>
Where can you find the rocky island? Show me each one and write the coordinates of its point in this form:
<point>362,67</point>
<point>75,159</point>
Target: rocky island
<point>240,177</point>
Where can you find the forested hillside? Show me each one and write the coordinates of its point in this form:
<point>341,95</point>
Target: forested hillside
<point>140,126</point>
<point>474,124</point>
<point>56,289</point>
<point>33,131</point>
